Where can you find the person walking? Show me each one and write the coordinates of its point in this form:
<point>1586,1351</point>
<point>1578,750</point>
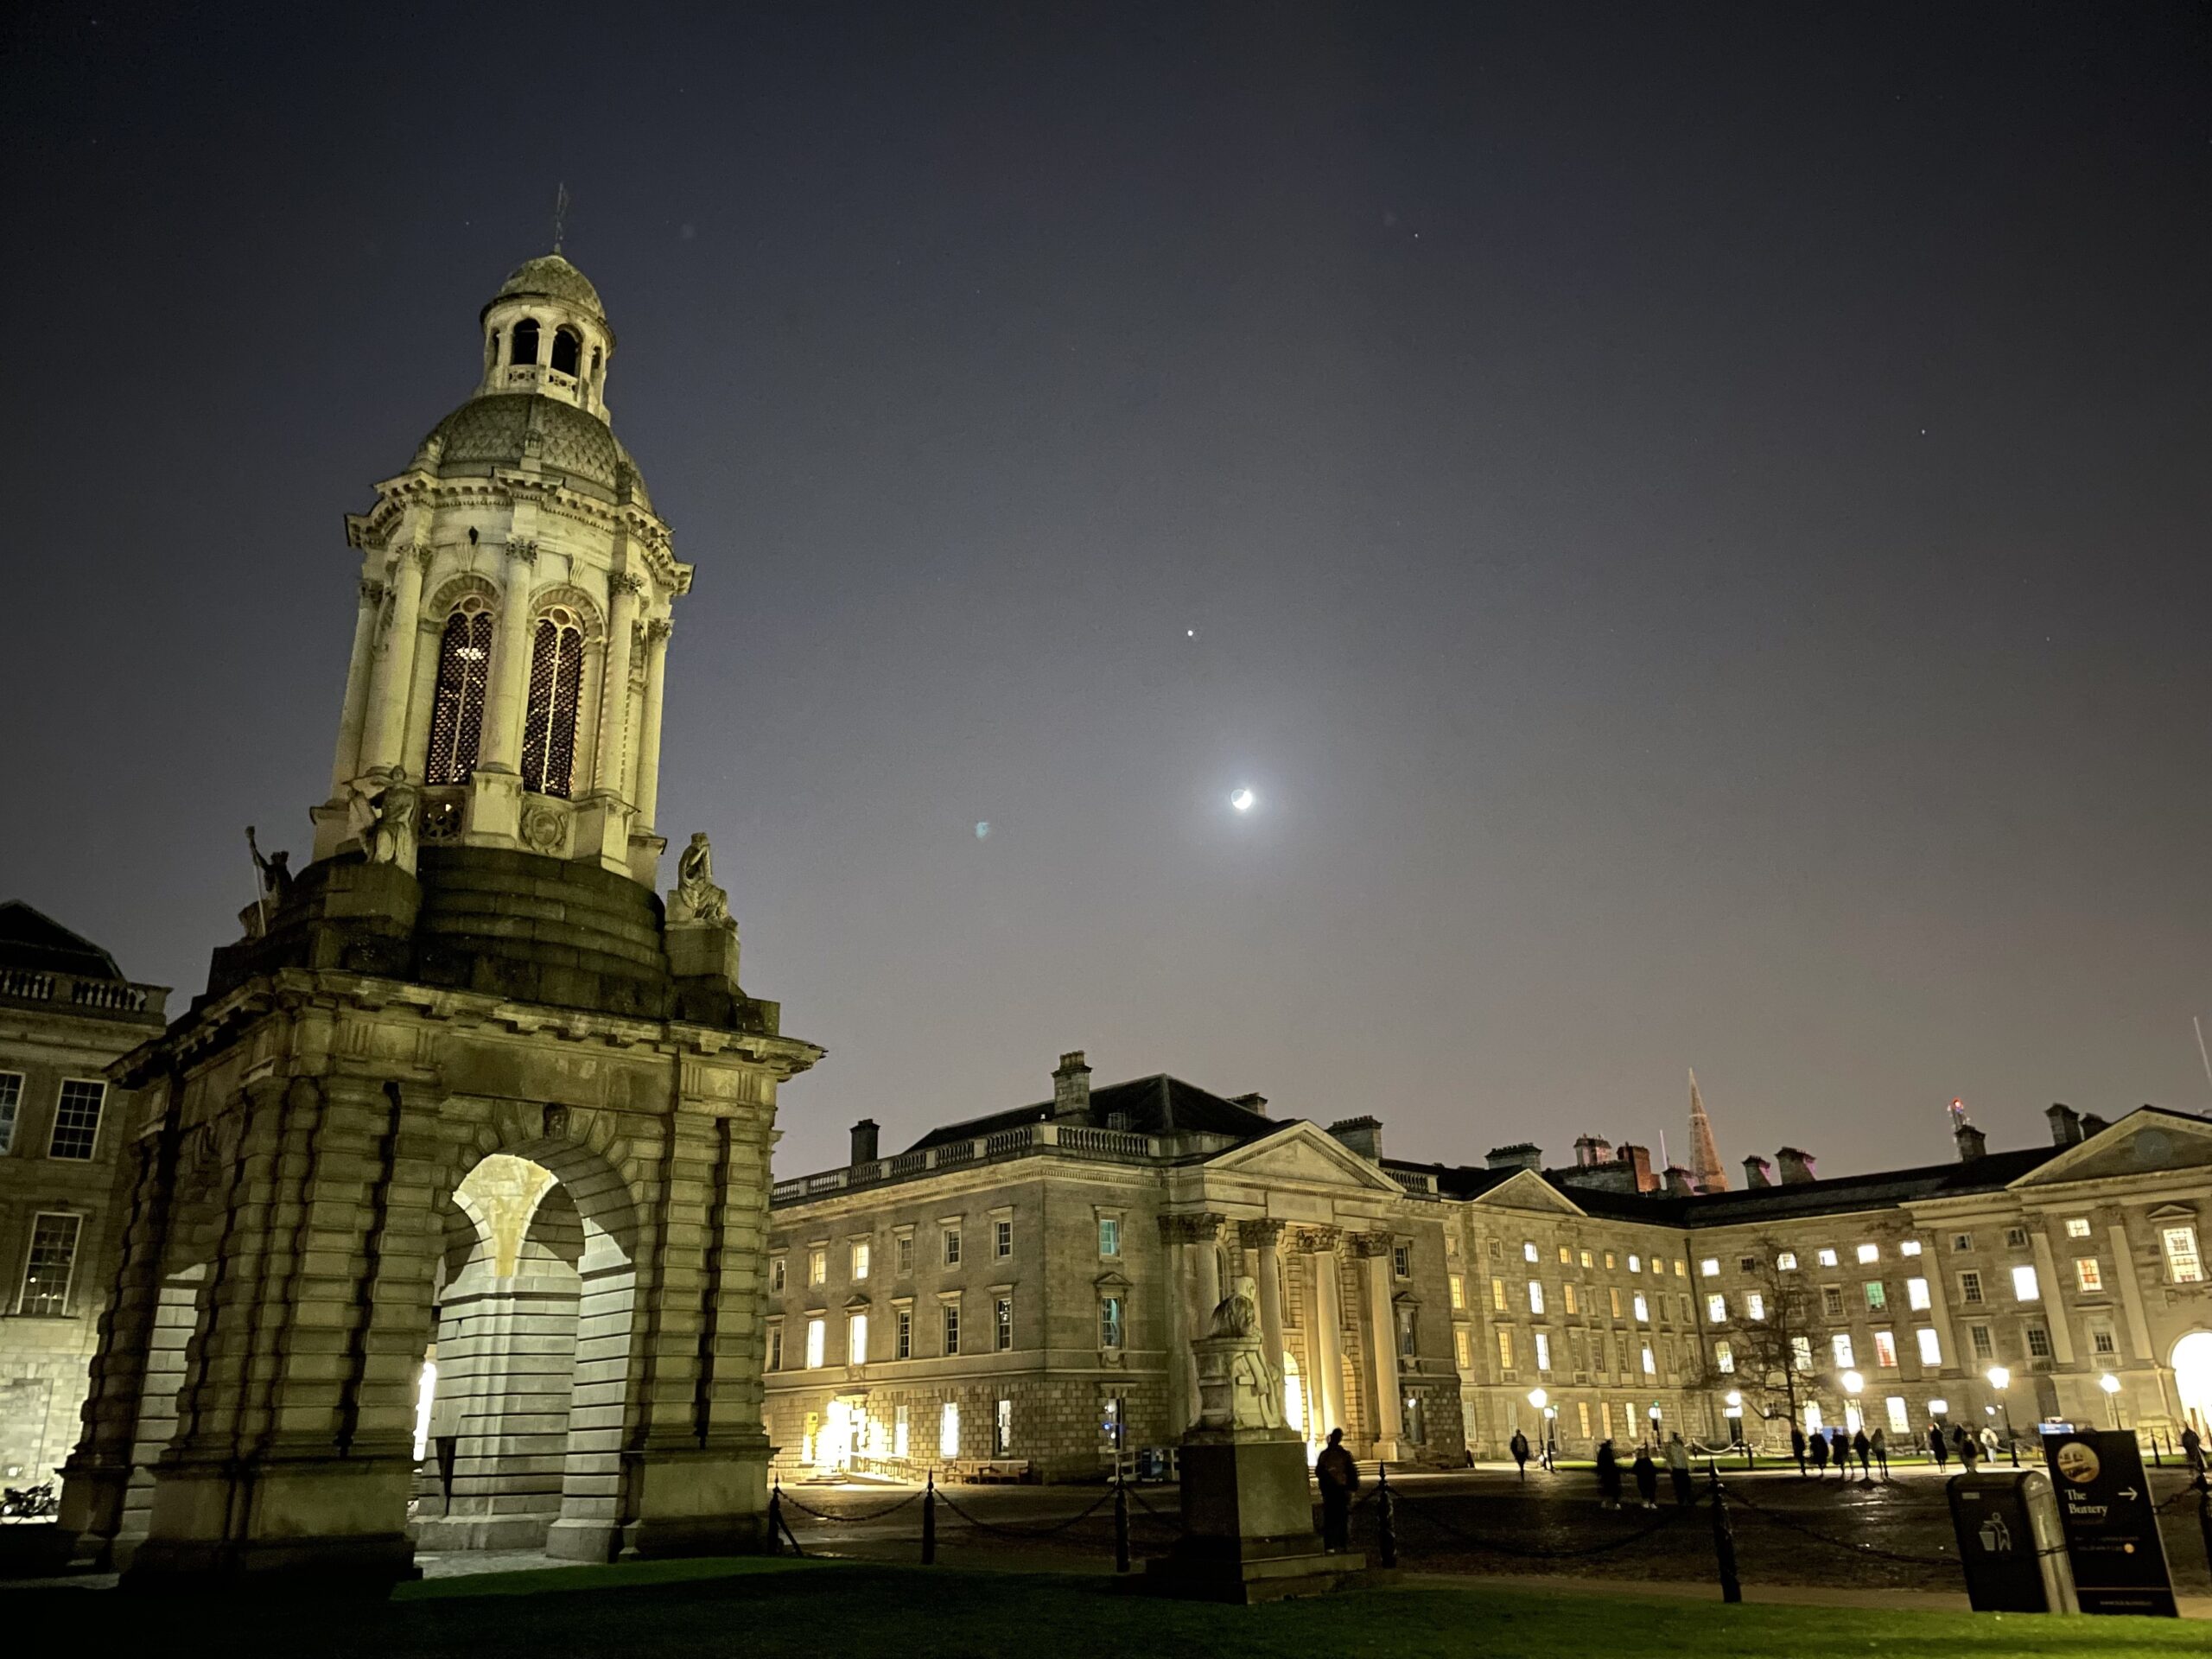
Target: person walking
<point>2192,1449</point>
<point>1840,1443</point>
<point>1797,1447</point>
<point>1609,1477</point>
<point>1969,1448</point>
<point>1647,1476</point>
<point>1519,1444</point>
<point>1678,1466</point>
<point>1863,1449</point>
<point>1882,1453</point>
<point>1337,1474</point>
<point>1818,1443</point>
<point>1938,1447</point>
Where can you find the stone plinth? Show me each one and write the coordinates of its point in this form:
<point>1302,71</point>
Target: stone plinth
<point>1247,1522</point>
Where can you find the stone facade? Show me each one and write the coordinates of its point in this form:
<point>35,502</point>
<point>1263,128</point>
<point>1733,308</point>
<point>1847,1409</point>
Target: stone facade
<point>446,1221</point>
<point>1589,1300</point>
<point>66,1011</point>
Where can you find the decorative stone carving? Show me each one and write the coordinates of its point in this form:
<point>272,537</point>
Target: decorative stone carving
<point>276,870</point>
<point>441,821</point>
<point>1239,1389</point>
<point>696,899</point>
<point>521,548</point>
<point>1321,1241</point>
<point>1369,1245</point>
<point>1258,1235</point>
<point>543,829</point>
<point>384,820</point>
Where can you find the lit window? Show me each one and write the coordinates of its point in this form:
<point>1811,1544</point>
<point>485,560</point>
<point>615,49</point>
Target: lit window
<point>1635,1263</point>
<point>1002,1323</point>
<point>1910,1246</point>
<point>1543,1351</point>
<point>11,1097</point>
<point>2024,1285</point>
<point>1827,1258</point>
<point>1787,1261</point>
<point>1529,1251</point>
<point>2087,1274</point>
<point>1801,1353</point>
<point>1900,1420</point>
<point>77,1119</point>
<point>2077,1227</point>
<point>1002,1430</point>
<point>1710,1267</point>
<point>1566,1256</point>
<point>1643,1310</point>
<point>856,1340</point>
<point>1567,1291</point>
<point>1505,1349</point>
<point>1681,1268</point>
<point>952,1328</point>
<point>2184,1266</point>
<point>901,1430</point>
<point>1754,1304</point>
<point>2038,1342</point>
<point>1885,1349</point>
<point>1613,1295</point>
<point>1109,1322</point>
<point>1456,1283</point>
<point>1535,1297</point>
<point>859,1258</point>
<point>1586,1258</point>
<point>1870,1252</point>
<point>1001,1239</point>
<point>457,706</point>
<point>1931,1349</point>
<point>1650,1366</point>
<point>49,1267</point>
<point>1609,1261</point>
<point>1497,1296</point>
<point>549,727</point>
<point>1876,1295</point>
<point>948,1429</point>
<point>1716,1308</point>
<point>1110,1235</point>
<point>818,1343</point>
<point>1839,1349</point>
<point>1462,1350</point>
<point>1724,1357</point>
<point>1916,1294</point>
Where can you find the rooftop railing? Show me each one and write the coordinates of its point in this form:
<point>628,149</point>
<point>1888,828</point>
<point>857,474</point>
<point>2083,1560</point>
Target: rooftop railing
<point>1078,1141</point>
<point>83,995</point>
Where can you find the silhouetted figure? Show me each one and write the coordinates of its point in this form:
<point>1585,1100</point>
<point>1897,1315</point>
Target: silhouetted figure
<point>1882,1453</point>
<point>1938,1447</point>
<point>1647,1477</point>
<point>1520,1447</point>
<point>1819,1447</point>
<point>1863,1449</point>
<point>1337,1475</point>
<point>1678,1466</point>
<point>1609,1477</point>
<point>1797,1447</point>
<point>1839,1444</point>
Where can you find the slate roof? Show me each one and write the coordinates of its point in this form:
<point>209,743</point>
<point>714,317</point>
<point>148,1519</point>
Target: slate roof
<point>1154,1105</point>
<point>554,278</point>
<point>505,428</point>
<point>32,940</point>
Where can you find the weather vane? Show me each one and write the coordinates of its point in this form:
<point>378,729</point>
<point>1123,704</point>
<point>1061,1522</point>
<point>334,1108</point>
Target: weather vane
<point>560,214</point>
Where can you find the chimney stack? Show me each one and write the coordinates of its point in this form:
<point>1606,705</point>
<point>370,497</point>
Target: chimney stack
<point>1071,1088</point>
<point>1522,1154</point>
<point>2092,1124</point>
<point>864,1142</point>
<point>1678,1181</point>
<point>1592,1150</point>
<point>1758,1171</point>
<point>1972,1142</point>
<point>1363,1134</point>
<point>1256,1104</point>
<point>1638,1159</point>
<point>1796,1165</point>
<point>2065,1126</point>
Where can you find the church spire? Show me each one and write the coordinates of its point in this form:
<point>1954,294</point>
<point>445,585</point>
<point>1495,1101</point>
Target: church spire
<point>1705,1158</point>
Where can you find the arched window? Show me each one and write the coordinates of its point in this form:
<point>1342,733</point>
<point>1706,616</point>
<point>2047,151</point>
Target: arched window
<point>491,349</point>
<point>457,712</point>
<point>548,731</point>
<point>525,339</point>
<point>567,350</point>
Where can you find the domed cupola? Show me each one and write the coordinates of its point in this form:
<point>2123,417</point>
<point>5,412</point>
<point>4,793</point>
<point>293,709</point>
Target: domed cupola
<point>545,332</point>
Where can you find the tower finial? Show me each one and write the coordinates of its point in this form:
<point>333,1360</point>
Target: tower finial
<point>560,214</point>
<point>1705,1156</point>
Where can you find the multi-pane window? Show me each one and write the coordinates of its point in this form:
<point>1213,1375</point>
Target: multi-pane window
<point>859,1258</point>
<point>457,709</point>
<point>1839,1348</point>
<point>1529,1250</point>
<point>1110,1235</point>
<point>1462,1350</point>
<point>1109,1322</point>
<point>1497,1296</point>
<point>1961,1243</point>
<point>1651,1365</point>
<point>77,1118</point>
<point>1002,1430</point>
<point>948,1429</point>
<point>2077,1227</point>
<point>2024,1288</point>
<point>1832,1301</point>
<point>1505,1349</point>
<point>1724,1357</point>
<point>1409,1335</point>
<point>1567,1291</point>
<point>1402,1260</point>
<point>1876,1295</point>
<point>856,1340</point>
<point>1747,1264</point>
<point>1586,1258</point>
<point>1801,1353</point>
<point>1635,1262</point>
<point>1456,1283</point>
<point>1716,1308</point>
<point>1643,1310</point>
<point>1754,1304</point>
<point>952,1247</point>
<point>818,1343</point>
<point>818,1267</point>
<point>1566,1256</point>
<point>903,1253</point>
<point>1978,1337</point>
<point>2102,1340</point>
<point>776,1347</point>
<point>1543,1351</point>
<point>11,1097</point>
<point>2015,1238</point>
<point>952,1328</point>
<point>1002,1323</point>
<point>1001,1239</point>
<point>2184,1264</point>
<point>1931,1347</point>
<point>1916,1294</point>
<point>1787,1261</point>
<point>549,729</point>
<point>1970,1286</point>
<point>1535,1297</point>
<point>1885,1349</point>
<point>902,1331</point>
<point>1613,1299</point>
<point>48,1269</point>
<point>2089,1273</point>
<point>2038,1342</point>
<point>775,1272</point>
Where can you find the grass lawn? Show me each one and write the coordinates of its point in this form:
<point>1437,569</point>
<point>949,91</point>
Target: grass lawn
<point>770,1609</point>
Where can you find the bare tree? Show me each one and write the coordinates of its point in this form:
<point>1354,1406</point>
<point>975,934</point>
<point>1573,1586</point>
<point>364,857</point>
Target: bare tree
<point>1773,1336</point>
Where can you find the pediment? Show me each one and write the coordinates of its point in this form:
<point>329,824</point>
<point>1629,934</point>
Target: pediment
<point>2144,1142</point>
<point>1529,1190</point>
<point>1300,1152</point>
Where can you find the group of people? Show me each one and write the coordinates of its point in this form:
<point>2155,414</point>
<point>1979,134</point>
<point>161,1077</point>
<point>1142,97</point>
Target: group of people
<point>1839,1446</point>
<point>1645,1472</point>
<point>1948,1440</point>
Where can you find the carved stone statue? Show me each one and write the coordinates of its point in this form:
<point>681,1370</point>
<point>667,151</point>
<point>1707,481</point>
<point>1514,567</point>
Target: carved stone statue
<point>384,820</point>
<point>696,899</point>
<point>276,870</point>
<point>1239,1389</point>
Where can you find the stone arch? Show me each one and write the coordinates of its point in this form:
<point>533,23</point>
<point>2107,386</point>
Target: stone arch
<point>455,588</point>
<point>590,615</point>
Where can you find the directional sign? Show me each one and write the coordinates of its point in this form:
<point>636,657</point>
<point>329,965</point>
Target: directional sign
<point>2111,1526</point>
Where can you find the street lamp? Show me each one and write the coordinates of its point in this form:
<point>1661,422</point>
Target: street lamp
<point>2110,1384</point>
<point>1735,1410</point>
<point>2000,1379</point>
<point>1541,1402</point>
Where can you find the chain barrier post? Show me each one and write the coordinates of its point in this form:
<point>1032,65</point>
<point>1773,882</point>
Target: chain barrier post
<point>1386,1529</point>
<point>2158,1457</point>
<point>1121,1522</point>
<point>2203,1485</point>
<point>775,1526</point>
<point>1723,1541</point>
<point>929,1521</point>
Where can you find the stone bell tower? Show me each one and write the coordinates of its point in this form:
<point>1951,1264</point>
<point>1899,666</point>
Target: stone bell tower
<point>465,1074</point>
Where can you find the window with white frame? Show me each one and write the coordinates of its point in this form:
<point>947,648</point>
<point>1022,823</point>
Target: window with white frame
<point>1870,1253</point>
<point>1402,1260</point>
<point>1900,1420</point>
<point>951,1324</point>
<point>1787,1261</point>
<point>818,1267</point>
<point>1961,1243</point>
<point>948,1429</point>
<point>1716,1307</point>
<point>1877,1294</point>
<point>1002,1238</point>
<point>817,1342</point>
<point>1535,1297</point>
<point>950,1234</point>
<point>11,1099</point>
<point>1635,1262</point>
<point>77,1118</point>
<point>1916,1294</point>
<point>2038,1342</point>
<point>2015,1238</point>
<point>1408,1334</point>
<point>1543,1351</point>
<point>1969,1285</point>
<point>1978,1339</point>
<point>1110,1235</point>
<point>2077,1227</point>
<point>1832,1301</point>
<point>1566,1292</point>
<point>2024,1288</point>
<point>1651,1365</point>
<point>1462,1349</point>
<point>1456,1283</point>
<point>2102,1341</point>
<point>1801,1353</point>
<point>2089,1273</point>
<point>1002,1430</point>
<point>856,1340</point>
<point>775,1345</point>
<point>902,1252</point>
<point>1505,1349</point>
<point>902,1333</point>
<point>1931,1347</point>
<point>1643,1310</point>
<point>2184,1265</point>
<point>1754,1304</point>
<point>1724,1357</point>
<point>1002,1323</point>
<point>1840,1349</point>
<point>1885,1349</point>
<point>1109,1322</point>
<point>1529,1250</point>
<point>859,1258</point>
<point>776,1273</point>
<point>50,1265</point>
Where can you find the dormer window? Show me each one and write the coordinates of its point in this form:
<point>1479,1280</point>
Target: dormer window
<point>567,351</point>
<point>525,349</point>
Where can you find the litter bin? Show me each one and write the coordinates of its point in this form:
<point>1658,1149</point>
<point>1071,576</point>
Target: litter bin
<point>2010,1544</point>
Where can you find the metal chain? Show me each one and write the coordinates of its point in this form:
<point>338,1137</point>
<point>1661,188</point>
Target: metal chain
<point>826,1514</point>
<point>1856,1548</point>
<point>1046,1531</point>
<point>1529,1553</point>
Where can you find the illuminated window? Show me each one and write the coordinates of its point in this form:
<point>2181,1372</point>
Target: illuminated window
<point>77,1119</point>
<point>2087,1274</point>
<point>2077,1227</point>
<point>817,1342</point>
<point>1110,1236</point>
<point>859,1258</point>
<point>1002,1430</point>
<point>2184,1265</point>
<point>1840,1349</point>
<point>1609,1261</point>
<point>457,706</point>
<point>948,1429</point>
<point>856,1340</point>
<point>1567,1291</point>
<point>1613,1295</point>
<point>1529,1251</point>
<point>1716,1308</point>
<point>1724,1357</point>
<point>1586,1258</point>
<point>1543,1351</point>
<point>1885,1349</point>
<point>49,1267</point>
<point>1002,1324</point>
<point>1456,1283</point>
<point>1801,1353</point>
<point>11,1097</point>
<point>1910,1246</point>
<point>1709,1268</point>
<point>1642,1311</point>
<point>2024,1285</point>
<point>1876,1295</point>
<point>1827,1258</point>
<point>1566,1256</point>
<point>548,729</point>
<point>1754,1304</point>
<point>1787,1261</point>
<point>1651,1365</point>
<point>1582,1416</point>
<point>1900,1420</point>
<point>1535,1297</point>
<point>1931,1348</point>
<point>1870,1253</point>
<point>1109,1322</point>
<point>1505,1349</point>
<point>1462,1349</point>
<point>1497,1296</point>
<point>1916,1294</point>
<point>901,1430</point>
<point>818,1267</point>
<point>1635,1262</point>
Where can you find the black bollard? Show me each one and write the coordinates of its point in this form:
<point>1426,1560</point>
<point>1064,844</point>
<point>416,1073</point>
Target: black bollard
<point>929,1521</point>
<point>1724,1544</point>
<point>1120,1524</point>
<point>2205,1513</point>
<point>1747,1453</point>
<point>2158,1457</point>
<point>776,1528</point>
<point>1386,1526</point>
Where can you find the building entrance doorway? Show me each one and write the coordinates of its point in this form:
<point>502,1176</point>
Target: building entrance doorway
<point>838,1443</point>
<point>2192,1364</point>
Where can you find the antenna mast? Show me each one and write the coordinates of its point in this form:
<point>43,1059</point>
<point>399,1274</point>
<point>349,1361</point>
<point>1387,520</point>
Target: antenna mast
<point>560,214</point>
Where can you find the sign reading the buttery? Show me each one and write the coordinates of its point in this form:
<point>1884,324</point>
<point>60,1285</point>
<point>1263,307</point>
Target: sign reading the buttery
<point>2110,1525</point>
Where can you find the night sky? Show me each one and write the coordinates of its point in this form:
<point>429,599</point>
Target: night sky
<point>1691,521</point>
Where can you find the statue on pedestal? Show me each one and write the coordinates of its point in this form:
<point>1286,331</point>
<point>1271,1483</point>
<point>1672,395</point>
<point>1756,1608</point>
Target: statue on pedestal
<point>1239,1389</point>
<point>696,899</point>
<point>384,820</point>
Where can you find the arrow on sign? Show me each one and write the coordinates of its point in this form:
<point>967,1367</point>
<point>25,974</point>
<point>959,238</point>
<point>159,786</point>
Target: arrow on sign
<point>2129,1491</point>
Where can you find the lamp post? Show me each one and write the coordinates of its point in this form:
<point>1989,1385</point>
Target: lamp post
<point>1735,1413</point>
<point>1853,1419</point>
<point>2000,1379</point>
<point>2110,1384</point>
<point>1654,1415</point>
<point>1538,1401</point>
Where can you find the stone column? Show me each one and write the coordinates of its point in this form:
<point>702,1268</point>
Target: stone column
<point>1175,1277</point>
<point>1208,1238</point>
<point>614,683</point>
<point>1263,1239</point>
<point>648,772</point>
<point>347,764</point>
<point>385,718</point>
<point>1383,1342</point>
<point>1327,1315</point>
<point>511,649</point>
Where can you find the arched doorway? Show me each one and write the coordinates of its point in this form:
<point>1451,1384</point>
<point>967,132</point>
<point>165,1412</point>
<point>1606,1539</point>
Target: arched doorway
<point>2192,1364</point>
<point>526,1377</point>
